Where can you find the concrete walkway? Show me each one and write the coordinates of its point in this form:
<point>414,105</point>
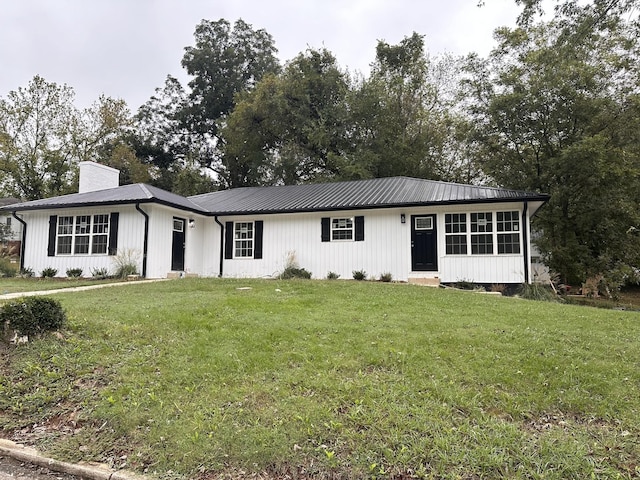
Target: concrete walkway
<point>11,296</point>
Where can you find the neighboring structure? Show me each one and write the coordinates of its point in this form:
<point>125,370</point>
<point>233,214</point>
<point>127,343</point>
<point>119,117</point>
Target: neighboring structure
<point>12,229</point>
<point>416,230</point>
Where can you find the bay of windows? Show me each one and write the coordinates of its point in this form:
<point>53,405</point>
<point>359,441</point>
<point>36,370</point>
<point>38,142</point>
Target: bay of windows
<point>82,234</point>
<point>484,232</point>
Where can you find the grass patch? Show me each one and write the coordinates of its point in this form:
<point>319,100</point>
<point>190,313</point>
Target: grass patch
<point>325,379</point>
<point>15,285</point>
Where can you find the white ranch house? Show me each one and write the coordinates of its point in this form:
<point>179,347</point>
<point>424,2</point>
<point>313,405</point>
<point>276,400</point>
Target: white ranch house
<point>417,230</point>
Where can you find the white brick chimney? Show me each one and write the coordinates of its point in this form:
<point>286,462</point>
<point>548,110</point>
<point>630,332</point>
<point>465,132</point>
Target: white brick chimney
<point>94,176</point>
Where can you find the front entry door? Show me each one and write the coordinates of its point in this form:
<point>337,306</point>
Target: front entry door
<point>424,243</point>
<point>177,249</point>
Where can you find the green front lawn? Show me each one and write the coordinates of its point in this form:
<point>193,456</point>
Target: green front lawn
<point>196,378</point>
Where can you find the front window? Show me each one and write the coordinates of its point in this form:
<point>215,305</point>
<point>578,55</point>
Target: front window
<point>243,239</point>
<point>455,228</point>
<point>82,234</point>
<point>481,237</point>
<point>483,231</point>
<point>342,229</point>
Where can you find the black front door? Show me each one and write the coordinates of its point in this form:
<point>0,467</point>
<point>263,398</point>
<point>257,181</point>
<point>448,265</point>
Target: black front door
<point>424,243</point>
<point>177,249</point>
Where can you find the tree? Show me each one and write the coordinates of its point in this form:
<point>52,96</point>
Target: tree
<point>224,62</point>
<point>403,116</point>
<point>36,140</point>
<point>291,128</point>
<point>562,117</point>
<point>43,137</point>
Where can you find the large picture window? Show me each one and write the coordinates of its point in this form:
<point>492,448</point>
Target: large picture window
<point>82,234</point>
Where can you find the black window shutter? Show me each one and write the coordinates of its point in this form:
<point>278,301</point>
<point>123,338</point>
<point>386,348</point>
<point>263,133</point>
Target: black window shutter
<point>228,240</point>
<point>257,241</point>
<point>359,229</point>
<point>53,226</point>
<point>326,229</point>
<point>113,233</point>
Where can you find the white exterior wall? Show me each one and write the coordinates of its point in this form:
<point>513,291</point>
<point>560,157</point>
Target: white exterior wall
<point>386,247</point>
<point>130,237</point>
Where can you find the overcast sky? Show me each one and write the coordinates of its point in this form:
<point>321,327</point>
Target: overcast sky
<point>126,48</point>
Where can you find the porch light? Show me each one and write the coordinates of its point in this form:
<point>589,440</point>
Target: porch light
<point>192,223</point>
<point>403,218</point>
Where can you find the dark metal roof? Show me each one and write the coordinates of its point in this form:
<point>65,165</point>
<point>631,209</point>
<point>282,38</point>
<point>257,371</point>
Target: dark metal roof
<point>373,193</point>
<point>8,201</point>
<point>126,194</point>
<point>358,194</point>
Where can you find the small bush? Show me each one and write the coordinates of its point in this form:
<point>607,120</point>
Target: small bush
<point>465,285</point>
<point>99,273</point>
<point>49,272</point>
<point>499,287</point>
<point>359,275</point>
<point>7,269</point>
<point>32,316</point>
<point>25,273</point>
<point>386,277</point>
<point>294,272</point>
<point>126,263</point>
<point>538,291</point>
<point>332,276</point>
<point>74,272</point>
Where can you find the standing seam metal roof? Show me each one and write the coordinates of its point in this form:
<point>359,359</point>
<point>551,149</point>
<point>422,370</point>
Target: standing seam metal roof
<point>358,194</point>
<point>378,192</point>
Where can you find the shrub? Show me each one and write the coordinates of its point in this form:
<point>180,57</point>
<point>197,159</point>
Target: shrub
<point>49,272</point>
<point>74,272</point>
<point>26,273</point>
<point>359,275</point>
<point>332,276</point>
<point>465,285</point>
<point>7,269</point>
<point>538,291</point>
<point>99,273</point>
<point>126,263</point>
<point>386,277</point>
<point>32,316</point>
<point>294,272</point>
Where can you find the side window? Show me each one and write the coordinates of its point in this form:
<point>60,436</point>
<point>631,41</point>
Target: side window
<point>342,229</point>
<point>243,240</point>
<point>508,226</point>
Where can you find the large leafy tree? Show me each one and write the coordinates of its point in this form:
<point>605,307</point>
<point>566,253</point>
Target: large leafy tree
<point>292,127</point>
<point>403,116</point>
<point>558,110</point>
<point>43,136</point>
<point>225,61</point>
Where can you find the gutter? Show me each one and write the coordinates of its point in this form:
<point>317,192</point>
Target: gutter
<point>525,242</point>
<point>221,245</point>
<point>24,238</point>
<point>146,240</point>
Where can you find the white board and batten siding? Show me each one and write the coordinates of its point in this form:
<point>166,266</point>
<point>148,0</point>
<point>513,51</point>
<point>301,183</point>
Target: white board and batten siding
<point>386,247</point>
<point>130,236</point>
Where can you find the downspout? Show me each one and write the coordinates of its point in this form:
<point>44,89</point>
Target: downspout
<point>146,240</point>
<point>525,241</point>
<point>24,238</point>
<point>221,244</point>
